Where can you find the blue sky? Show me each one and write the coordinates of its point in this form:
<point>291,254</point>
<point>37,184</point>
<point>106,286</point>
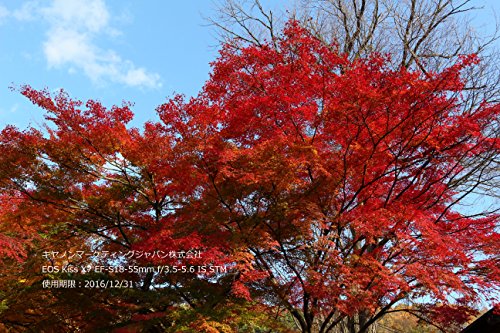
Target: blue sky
<point>108,50</point>
<point>113,50</point>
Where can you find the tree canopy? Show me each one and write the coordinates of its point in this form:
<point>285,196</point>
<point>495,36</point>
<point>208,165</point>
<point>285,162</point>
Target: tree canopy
<point>329,187</point>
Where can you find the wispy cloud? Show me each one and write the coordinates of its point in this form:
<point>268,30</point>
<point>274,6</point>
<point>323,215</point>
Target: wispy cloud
<point>27,11</point>
<point>13,109</point>
<point>3,13</point>
<point>71,41</point>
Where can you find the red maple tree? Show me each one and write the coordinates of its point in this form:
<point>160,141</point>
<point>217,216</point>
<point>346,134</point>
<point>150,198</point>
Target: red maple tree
<point>328,187</point>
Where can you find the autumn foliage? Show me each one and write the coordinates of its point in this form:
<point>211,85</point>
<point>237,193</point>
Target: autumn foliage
<point>329,188</point>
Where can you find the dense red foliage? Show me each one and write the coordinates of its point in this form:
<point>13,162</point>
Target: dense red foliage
<point>327,186</point>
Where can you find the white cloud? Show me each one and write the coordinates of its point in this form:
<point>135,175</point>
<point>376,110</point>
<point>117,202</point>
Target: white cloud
<point>4,12</point>
<point>91,16</point>
<point>27,11</point>
<point>139,76</point>
<point>69,47</point>
<point>71,43</point>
